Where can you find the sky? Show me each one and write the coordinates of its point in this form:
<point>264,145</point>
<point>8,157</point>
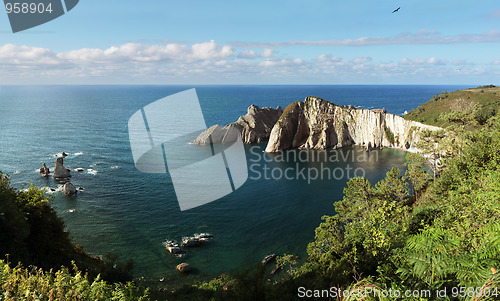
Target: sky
<point>258,42</point>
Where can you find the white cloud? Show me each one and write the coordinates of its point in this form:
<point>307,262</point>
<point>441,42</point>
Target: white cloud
<point>360,60</point>
<point>267,52</point>
<point>210,50</point>
<point>246,54</point>
<point>422,61</point>
<point>24,55</point>
<point>406,38</point>
<point>210,62</point>
<point>328,58</point>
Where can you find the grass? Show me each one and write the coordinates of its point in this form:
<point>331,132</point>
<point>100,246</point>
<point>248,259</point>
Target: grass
<point>486,96</point>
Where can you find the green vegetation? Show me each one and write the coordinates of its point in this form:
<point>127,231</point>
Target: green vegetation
<point>289,109</point>
<point>390,136</point>
<point>34,284</point>
<point>484,103</point>
<point>33,234</point>
<point>411,231</point>
<point>416,231</point>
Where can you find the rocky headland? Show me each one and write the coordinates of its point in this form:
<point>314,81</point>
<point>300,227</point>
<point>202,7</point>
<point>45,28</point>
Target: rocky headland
<point>255,127</point>
<point>318,124</point>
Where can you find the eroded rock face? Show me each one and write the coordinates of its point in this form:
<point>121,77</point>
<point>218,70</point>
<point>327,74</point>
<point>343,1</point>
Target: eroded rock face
<point>255,127</point>
<point>319,124</point>
<point>69,189</point>
<point>60,171</point>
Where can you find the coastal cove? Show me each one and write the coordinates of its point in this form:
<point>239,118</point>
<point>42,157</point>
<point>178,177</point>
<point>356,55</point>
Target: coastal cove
<point>125,211</point>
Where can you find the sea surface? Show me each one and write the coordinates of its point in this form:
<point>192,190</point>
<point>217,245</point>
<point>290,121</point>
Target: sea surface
<point>131,213</point>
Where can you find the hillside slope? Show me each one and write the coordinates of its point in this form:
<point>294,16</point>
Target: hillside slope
<point>487,97</point>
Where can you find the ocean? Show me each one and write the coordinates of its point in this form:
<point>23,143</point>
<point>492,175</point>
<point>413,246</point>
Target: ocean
<point>131,213</point>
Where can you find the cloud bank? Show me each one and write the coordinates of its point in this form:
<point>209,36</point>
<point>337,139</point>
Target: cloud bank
<point>214,63</point>
<point>422,37</point>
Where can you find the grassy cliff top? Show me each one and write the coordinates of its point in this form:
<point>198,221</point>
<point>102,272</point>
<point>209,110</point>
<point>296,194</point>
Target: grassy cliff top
<point>488,97</point>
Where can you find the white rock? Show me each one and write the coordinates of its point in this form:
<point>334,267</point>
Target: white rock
<point>319,124</point>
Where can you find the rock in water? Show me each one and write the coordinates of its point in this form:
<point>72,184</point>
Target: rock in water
<point>268,259</point>
<point>44,171</point>
<point>184,267</point>
<point>173,248</point>
<point>255,127</point>
<point>69,189</point>
<point>319,124</point>
<point>60,171</point>
<point>190,242</point>
<point>205,236</point>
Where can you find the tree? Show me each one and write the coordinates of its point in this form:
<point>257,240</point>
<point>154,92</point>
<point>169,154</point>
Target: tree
<point>415,173</point>
<point>429,146</point>
<point>370,223</point>
<point>32,233</point>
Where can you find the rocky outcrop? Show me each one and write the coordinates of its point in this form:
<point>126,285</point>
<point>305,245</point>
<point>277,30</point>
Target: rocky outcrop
<point>69,189</point>
<point>255,127</point>
<point>184,267</point>
<point>319,124</point>
<point>196,241</point>
<point>60,171</point>
<point>173,247</point>
<point>44,171</point>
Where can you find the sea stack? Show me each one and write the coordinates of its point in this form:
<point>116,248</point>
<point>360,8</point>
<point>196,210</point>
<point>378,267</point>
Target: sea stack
<point>60,172</point>
<point>44,171</point>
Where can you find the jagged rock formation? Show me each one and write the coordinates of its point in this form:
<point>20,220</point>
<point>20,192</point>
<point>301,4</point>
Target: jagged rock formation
<point>69,189</point>
<point>60,171</point>
<point>44,171</point>
<point>319,124</point>
<point>255,127</point>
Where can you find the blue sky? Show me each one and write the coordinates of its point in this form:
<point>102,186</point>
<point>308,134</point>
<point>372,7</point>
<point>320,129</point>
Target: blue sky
<point>259,42</point>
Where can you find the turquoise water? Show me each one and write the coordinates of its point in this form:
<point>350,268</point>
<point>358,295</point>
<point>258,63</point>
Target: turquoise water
<point>131,213</point>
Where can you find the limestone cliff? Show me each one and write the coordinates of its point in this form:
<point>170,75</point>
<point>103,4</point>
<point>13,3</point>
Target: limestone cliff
<point>255,126</point>
<point>319,124</point>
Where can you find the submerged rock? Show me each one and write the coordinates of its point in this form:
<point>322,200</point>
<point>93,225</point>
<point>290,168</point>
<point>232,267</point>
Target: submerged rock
<point>60,172</point>
<point>69,189</point>
<point>184,267</point>
<point>255,127</point>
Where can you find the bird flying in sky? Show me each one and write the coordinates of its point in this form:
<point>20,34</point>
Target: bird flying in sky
<point>397,9</point>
